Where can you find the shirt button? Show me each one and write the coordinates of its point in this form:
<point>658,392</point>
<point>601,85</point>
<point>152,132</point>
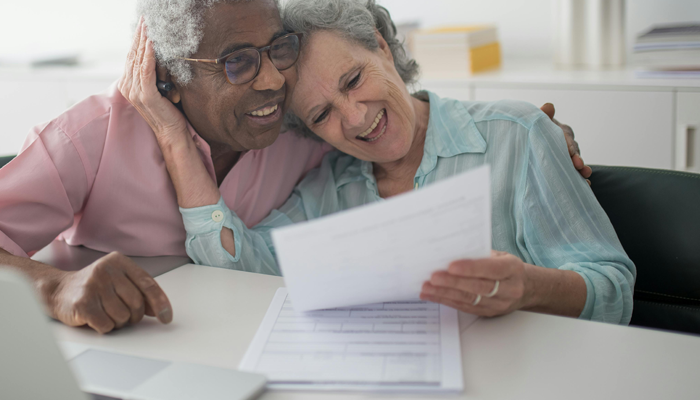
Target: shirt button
<point>217,216</point>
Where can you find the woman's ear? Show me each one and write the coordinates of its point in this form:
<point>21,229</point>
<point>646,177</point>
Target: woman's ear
<point>383,45</point>
<point>162,75</point>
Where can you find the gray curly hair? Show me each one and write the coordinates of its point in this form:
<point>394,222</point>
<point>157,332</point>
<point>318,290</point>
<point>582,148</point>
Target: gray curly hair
<point>355,20</point>
<point>176,28</point>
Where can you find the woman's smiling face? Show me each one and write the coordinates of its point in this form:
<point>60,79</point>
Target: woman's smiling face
<point>353,98</point>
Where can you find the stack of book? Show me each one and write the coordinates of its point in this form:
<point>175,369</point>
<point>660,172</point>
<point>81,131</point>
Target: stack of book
<point>456,52</point>
<point>669,50</point>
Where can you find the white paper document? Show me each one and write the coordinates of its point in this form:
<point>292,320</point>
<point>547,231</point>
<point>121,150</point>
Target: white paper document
<point>385,251</point>
<point>398,346</point>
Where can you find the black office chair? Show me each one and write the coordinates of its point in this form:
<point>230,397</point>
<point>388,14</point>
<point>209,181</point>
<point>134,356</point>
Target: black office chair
<point>5,160</point>
<point>656,214</point>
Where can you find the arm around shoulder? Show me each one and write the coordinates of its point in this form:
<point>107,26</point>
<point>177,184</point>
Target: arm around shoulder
<point>251,249</point>
<point>564,227</point>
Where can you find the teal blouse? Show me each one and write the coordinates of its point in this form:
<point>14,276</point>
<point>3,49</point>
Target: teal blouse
<point>543,210</point>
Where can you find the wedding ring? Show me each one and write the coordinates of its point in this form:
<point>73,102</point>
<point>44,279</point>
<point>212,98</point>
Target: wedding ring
<point>477,300</point>
<point>495,289</point>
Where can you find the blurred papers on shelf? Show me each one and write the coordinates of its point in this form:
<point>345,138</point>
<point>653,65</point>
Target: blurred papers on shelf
<point>669,51</point>
<point>33,59</point>
<point>456,52</point>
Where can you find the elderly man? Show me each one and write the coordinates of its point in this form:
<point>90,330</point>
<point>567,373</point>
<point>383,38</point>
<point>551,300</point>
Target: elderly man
<point>98,176</point>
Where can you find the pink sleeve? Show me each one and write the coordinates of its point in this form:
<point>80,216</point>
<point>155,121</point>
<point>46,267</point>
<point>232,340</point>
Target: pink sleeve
<point>41,190</point>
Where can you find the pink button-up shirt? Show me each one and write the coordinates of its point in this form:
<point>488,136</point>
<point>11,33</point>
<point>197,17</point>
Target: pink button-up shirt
<point>95,176</point>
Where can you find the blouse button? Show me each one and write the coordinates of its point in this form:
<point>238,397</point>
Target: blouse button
<point>217,216</point>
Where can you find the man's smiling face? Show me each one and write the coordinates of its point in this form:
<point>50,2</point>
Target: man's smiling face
<point>232,115</point>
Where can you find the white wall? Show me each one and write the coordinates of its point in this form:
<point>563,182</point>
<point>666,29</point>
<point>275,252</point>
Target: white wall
<point>102,28</point>
<point>96,28</point>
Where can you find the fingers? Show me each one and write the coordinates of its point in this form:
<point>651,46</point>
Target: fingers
<point>548,109</point>
<point>136,63</point>
<point>447,280</point>
<point>148,69</point>
<point>142,47</point>
<point>117,311</point>
<point>485,308</point>
<point>130,296</point>
<point>571,144</point>
<point>467,281</point>
<point>582,168</point>
<point>457,305</point>
<point>109,294</point>
<point>586,172</point>
<point>157,303</point>
<point>130,57</point>
<point>495,268</point>
<point>97,319</point>
<point>448,293</point>
<point>444,284</point>
<point>134,43</point>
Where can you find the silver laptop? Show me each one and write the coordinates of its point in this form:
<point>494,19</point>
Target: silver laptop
<point>33,367</point>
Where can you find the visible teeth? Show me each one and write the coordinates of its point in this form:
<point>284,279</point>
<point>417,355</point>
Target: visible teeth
<point>265,111</point>
<point>378,136</point>
<point>374,125</point>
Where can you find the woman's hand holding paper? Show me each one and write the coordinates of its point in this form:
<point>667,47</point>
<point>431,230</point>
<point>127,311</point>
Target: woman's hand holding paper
<point>503,283</point>
<point>464,280</point>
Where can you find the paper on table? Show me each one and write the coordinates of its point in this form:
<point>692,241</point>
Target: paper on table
<point>399,346</point>
<point>385,251</point>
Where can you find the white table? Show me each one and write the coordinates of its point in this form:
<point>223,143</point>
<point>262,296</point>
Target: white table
<point>519,356</point>
<point>63,256</point>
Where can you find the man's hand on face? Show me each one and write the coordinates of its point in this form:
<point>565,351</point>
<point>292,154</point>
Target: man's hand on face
<point>106,295</point>
<point>571,144</point>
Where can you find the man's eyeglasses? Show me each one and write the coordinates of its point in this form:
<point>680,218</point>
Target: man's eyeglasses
<point>242,66</point>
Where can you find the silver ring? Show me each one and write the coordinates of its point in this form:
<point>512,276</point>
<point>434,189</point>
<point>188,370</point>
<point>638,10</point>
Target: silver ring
<point>477,300</point>
<point>495,289</point>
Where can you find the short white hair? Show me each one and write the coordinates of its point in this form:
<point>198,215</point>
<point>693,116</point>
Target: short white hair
<point>354,20</point>
<point>176,28</point>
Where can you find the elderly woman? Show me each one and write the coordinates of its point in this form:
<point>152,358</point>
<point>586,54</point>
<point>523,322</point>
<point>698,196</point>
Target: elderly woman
<point>555,249</point>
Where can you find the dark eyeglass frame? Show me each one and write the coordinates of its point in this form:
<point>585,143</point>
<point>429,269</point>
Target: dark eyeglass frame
<point>260,50</point>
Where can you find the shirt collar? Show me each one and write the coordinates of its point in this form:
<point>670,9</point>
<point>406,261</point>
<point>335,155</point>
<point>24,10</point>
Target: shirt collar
<point>451,131</point>
<point>358,170</point>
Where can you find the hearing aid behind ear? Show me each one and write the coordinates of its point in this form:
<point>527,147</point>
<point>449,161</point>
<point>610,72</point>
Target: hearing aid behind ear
<point>165,86</point>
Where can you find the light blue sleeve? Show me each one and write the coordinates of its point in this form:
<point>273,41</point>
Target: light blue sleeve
<point>254,249</point>
<point>564,227</point>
